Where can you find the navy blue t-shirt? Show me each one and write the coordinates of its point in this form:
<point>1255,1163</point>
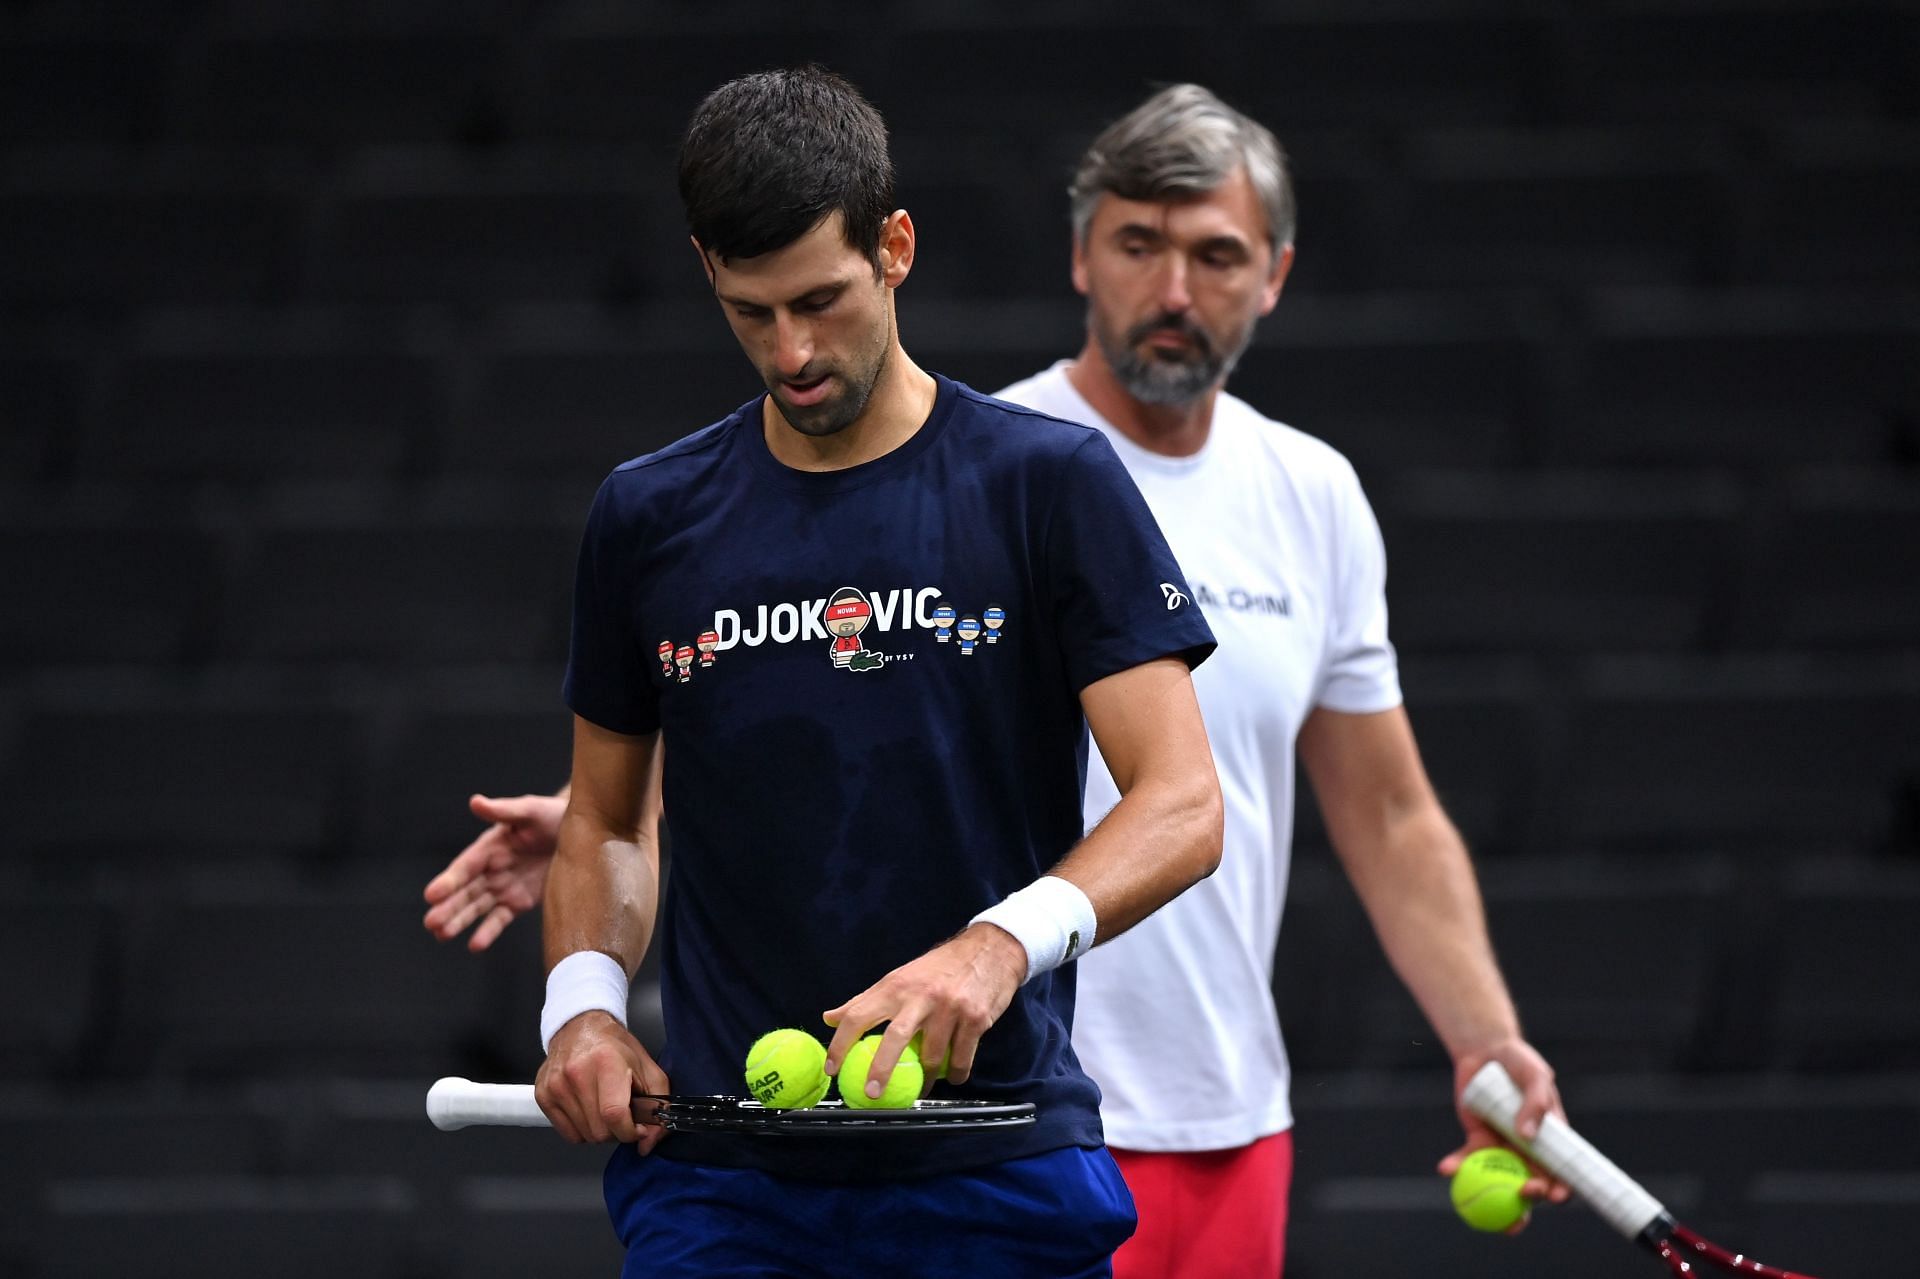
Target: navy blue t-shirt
<point>866,682</point>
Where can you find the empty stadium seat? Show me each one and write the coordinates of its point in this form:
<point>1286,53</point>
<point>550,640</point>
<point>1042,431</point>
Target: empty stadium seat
<point>1839,566</point>
<point>108,231</point>
<point>619,73</point>
<point>1744,756</point>
<point>57,1135</point>
<point>130,777</point>
<point>407,594</point>
<point>1608,975</point>
<point>188,1227</point>
<point>288,983</point>
<point>443,226</point>
<point>1736,63</point>
<point>251,414</point>
<point>1831,1223</point>
<point>1743,380</point>
<point>1394,380</point>
<point>1847,952</point>
<point>40,408</point>
<point>59,88</point>
<point>1603,981</point>
<point>1839,210</point>
<point>582,399</point>
<point>1427,66</point>
<point>56,951</point>
<point>87,592</point>
<point>1544,208</point>
<point>326,90</point>
<point>1561,564</point>
<point>446,753</point>
<point>1481,741</point>
<point>520,1224</point>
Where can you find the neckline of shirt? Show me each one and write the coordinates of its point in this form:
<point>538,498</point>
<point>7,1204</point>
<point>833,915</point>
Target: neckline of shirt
<point>1133,452</point>
<point>849,477</point>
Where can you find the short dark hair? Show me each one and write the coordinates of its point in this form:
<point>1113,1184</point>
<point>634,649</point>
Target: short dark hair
<point>768,156</point>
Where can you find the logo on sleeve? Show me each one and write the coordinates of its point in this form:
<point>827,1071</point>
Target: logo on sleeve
<point>1174,595</point>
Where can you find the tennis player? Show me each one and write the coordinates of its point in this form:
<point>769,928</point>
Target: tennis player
<point>1183,222</point>
<point>868,828</point>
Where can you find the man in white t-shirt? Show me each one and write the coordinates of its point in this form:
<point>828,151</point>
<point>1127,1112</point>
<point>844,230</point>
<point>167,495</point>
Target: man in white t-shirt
<point>1182,239</point>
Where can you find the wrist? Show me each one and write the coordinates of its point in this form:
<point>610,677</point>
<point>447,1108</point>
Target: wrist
<point>585,981</point>
<point>1050,919</point>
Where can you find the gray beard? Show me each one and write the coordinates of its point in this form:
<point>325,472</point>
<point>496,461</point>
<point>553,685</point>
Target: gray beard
<point>1170,383</point>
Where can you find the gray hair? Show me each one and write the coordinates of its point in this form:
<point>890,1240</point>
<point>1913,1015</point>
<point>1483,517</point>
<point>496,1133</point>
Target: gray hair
<point>1183,141</point>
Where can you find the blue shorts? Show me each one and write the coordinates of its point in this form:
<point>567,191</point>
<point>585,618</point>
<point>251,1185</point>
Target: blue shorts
<point>1057,1215</point>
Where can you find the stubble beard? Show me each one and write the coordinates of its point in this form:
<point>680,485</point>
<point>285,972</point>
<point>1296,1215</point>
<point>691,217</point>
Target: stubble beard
<point>837,412</point>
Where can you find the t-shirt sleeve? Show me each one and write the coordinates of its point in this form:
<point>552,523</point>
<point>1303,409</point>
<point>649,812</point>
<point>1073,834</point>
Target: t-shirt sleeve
<point>609,679</point>
<point>1119,597</point>
<point>1362,673</point>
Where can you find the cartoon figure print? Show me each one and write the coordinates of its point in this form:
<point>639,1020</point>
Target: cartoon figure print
<point>993,619</point>
<point>666,658</point>
<point>969,632</point>
<point>943,615</point>
<point>706,643</point>
<point>683,658</point>
<point>847,615</point>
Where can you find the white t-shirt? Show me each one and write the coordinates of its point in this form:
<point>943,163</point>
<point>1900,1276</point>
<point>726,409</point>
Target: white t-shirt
<point>1175,1019</point>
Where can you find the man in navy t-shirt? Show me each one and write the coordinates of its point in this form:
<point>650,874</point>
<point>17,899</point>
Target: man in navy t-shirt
<point>870,827</point>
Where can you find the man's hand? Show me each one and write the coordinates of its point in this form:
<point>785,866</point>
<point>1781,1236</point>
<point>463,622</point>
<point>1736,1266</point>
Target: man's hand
<point>1539,1098</point>
<point>954,993</point>
<point>593,1071</point>
<point>499,876</point>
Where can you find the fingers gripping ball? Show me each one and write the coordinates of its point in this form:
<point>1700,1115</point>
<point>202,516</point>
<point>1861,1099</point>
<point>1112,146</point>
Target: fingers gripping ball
<point>902,1090</point>
<point>1486,1189</point>
<point>915,1045</point>
<point>787,1070</point>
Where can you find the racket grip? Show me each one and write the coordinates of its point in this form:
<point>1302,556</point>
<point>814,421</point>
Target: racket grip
<point>1622,1202</point>
<point>456,1103</point>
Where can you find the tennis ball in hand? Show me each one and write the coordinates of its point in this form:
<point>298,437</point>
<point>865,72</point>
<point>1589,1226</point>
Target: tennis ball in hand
<point>1486,1189</point>
<point>787,1070</point>
<point>903,1087</point>
<point>915,1045</point>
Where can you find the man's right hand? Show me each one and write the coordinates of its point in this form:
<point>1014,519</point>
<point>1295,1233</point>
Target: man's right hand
<point>593,1071</point>
<point>502,874</point>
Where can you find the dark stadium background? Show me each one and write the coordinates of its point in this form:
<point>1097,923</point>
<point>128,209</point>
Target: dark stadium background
<point>319,323</point>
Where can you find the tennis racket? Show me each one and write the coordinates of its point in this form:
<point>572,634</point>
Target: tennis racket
<point>457,1103</point>
<point>1622,1202</point>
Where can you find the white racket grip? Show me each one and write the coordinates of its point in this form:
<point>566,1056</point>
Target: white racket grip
<point>455,1103</point>
<point>1622,1202</point>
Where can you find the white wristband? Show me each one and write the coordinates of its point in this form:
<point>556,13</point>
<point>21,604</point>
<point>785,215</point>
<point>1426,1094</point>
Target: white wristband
<point>1050,917</point>
<point>580,983</point>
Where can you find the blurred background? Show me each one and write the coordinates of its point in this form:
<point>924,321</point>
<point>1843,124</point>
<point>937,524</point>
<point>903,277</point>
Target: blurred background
<point>321,321</point>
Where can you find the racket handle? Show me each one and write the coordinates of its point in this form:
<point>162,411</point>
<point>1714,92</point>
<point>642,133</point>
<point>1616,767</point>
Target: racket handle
<point>1622,1202</point>
<point>455,1103</point>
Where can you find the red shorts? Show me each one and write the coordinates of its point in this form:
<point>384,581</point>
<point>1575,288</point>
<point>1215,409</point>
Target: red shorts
<point>1217,1213</point>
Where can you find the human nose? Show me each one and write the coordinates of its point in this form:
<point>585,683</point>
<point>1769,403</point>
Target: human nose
<point>1175,296</point>
<point>792,347</point>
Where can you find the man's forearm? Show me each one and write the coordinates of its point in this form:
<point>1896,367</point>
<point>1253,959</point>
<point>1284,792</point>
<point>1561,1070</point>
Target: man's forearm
<point>1417,883</point>
<point>1160,840</point>
<point>602,892</point>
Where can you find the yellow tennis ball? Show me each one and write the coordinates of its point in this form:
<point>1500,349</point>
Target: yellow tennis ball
<point>1486,1189</point>
<point>787,1070</point>
<point>915,1046</point>
<point>903,1087</point>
